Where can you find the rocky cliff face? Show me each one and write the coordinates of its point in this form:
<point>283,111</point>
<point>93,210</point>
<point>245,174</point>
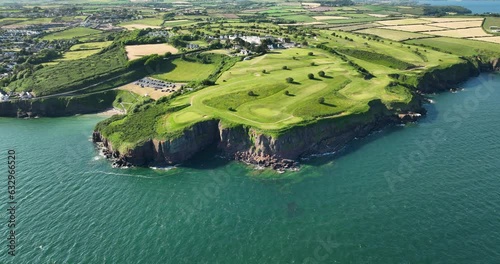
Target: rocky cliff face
<point>444,79</point>
<point>59,106</point>
<point>281,152</point>
<point>495,64</point>
<point>165,152</point>
<point>246,144</point>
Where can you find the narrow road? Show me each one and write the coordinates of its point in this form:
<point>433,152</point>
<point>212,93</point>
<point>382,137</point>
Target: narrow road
<point>85,88</point>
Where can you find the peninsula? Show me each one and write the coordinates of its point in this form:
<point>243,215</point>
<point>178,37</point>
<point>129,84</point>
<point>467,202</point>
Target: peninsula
<point>267,83</point>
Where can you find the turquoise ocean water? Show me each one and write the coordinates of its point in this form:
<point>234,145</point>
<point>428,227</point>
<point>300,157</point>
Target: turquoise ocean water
<point>477,7</point>
<point>423,193</point>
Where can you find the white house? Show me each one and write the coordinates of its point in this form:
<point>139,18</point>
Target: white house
<point>3,97</point>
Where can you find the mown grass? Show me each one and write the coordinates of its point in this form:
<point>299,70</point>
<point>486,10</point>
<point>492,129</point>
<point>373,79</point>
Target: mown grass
<point>71,33</point>
<point>378,58</point>
<point>269,106</point>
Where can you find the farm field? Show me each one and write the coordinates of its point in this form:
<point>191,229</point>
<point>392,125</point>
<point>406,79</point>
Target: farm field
<point>444,27</point>
<point>414,28</point>
<point>451,19</point>
<point>90,45</point>
<point>184,71</point>
<point>138,51</point>
<point>75,55</point>
<point>462,47</point>
<point>355,27</point>
<point>458,25</point>
<point>11,20</point>
<point>399,22</point>
<point>138,26</point>
<point>392,34</point>
<point>495,39</point>
<point>71,33</point>
<point>461,33</point>
<point>42,20</point>
<point>378,15</point>
<point>82,50</point>
<point>146,21</point>
<point>298,18</point>
<point>180,22</point>
<point>329,17</point>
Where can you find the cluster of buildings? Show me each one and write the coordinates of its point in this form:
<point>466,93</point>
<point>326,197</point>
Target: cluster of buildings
<point>278,42</point>
<point>158,34</point>
<point>10,41</point>
<point>13,95</point>
<point>14,47</point>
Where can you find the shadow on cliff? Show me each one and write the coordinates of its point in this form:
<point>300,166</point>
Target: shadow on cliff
<point>208,158</point>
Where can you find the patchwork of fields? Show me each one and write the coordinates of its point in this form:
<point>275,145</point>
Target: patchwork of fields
<point>414,28</point>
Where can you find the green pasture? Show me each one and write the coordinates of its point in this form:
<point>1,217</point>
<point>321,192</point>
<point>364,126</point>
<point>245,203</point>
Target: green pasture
<point>154,21</point>
<point>71,33</point>
<point>392,34</point>
<point>36,21</point>
<point>90,45</point>
<point>184,71</point>
<point>462,47</point>
<point>12,20</point>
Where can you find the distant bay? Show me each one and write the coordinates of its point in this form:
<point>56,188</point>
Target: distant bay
<point>477,7</point>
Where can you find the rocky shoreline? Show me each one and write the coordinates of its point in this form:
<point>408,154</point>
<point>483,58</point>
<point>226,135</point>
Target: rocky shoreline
<point>249,146</point>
